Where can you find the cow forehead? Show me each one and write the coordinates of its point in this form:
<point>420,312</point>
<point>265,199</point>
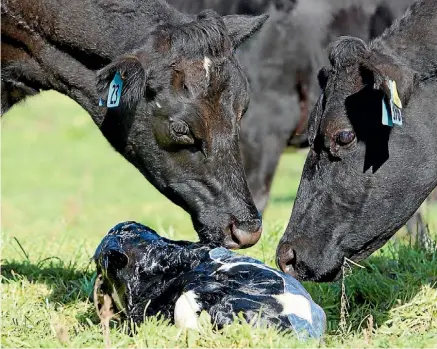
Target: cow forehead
<point>204,68</point>
<point>330,111</point>
<point>196,69</point>
<point>341,80</point>
<point>341,85</point>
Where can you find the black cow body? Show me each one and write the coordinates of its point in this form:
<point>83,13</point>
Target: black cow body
<point>183,93</point>
<point>145,274</point>
<point>363,180</point>
<point>282,64</point>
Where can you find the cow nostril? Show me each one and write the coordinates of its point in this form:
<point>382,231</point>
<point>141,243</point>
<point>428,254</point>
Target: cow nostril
<point>286,259</point>
<point>242,238</point>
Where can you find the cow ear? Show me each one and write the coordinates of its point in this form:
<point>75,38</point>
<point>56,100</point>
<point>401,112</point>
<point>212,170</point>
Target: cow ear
<point>133,76</point>
<point>380,20</point>
<point>382,69</point>
<point>241,27</point>
<point>322,77</point>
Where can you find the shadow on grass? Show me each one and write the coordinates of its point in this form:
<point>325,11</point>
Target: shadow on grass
<point>391,279</point>
<point>68,282</point>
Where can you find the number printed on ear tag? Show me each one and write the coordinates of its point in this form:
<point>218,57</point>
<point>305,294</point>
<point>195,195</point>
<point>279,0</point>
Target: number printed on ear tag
<point>114,94</point>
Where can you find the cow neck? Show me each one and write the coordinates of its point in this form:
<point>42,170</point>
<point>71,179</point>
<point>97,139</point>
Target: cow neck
<point>70,42</point>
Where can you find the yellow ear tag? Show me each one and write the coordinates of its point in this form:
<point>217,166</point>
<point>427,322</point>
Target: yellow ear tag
<point>395,95</point>
<point>395,104</point>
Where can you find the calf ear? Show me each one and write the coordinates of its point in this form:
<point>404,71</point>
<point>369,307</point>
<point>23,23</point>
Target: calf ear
<point>114,260</point>
<point>384,68</point>
<point>133,76</point>
<point>240,28</point>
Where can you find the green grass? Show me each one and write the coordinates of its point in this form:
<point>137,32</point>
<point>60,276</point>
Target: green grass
<point>63,188</point>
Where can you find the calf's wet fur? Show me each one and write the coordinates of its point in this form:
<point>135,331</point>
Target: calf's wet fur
<point>141,274</point>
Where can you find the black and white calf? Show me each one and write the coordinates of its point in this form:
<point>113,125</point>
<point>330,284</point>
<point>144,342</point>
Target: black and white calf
<point>146,274</point>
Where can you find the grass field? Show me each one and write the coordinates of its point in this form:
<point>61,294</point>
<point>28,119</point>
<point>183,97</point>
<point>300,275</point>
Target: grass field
<point>63,188</point>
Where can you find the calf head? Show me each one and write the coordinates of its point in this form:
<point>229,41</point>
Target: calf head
<point>139,266</point>
<point>361,180</point>
<point>183,96</point>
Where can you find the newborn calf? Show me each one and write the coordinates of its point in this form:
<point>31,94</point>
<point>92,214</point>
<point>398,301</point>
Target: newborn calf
<point>146,274</point>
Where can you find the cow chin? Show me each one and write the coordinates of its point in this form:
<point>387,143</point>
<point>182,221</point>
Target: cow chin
<point>305,273</point>
<point>336,269</point>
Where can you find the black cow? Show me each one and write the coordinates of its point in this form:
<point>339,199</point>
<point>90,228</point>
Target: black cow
<point>282,64</point>
<point>182,99</point>
<point>363,180</point>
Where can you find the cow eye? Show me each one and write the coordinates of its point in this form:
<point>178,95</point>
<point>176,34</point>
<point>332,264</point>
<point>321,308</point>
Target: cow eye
<point>345,137</point>
<point>180,132</point>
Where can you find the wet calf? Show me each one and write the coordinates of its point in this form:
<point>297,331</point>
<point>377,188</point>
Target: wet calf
<point>145,275</point>
<point>362,179</point>
<point>171,91</point>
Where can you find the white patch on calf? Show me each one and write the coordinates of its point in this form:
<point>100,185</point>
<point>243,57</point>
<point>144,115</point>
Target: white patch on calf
<point>185,311</point>
<point>295,304</point>
<point>228,266</point>
<point>207,64</point>
<point>158,105</point>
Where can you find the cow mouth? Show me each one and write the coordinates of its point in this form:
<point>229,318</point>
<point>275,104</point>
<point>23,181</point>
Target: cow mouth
<point>232,237</point>
<point>331,276</point>
<point>303,272</point>
<point>219,238</point>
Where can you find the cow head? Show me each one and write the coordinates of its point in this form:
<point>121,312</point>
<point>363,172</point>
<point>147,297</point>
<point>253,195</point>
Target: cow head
<point>361,180</point>
<point>183,96</point>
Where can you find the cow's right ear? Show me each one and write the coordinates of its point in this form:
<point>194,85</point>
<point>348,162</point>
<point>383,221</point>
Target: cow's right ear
<point>133,76</point>
<point>383,68</point>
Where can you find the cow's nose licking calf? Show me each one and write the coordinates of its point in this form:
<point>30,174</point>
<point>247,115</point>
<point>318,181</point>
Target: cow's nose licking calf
<point>286,259</point>
<point>243,235</point>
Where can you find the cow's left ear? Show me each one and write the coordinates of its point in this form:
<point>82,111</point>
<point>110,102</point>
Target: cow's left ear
<point>385,68</point>
<point>133,80</point>
<point>240,27</point>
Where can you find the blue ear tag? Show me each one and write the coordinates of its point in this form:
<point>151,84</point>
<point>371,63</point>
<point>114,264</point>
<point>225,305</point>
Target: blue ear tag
<point>386,114</point>
<point>101,102</point>
<point>114,94</point>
